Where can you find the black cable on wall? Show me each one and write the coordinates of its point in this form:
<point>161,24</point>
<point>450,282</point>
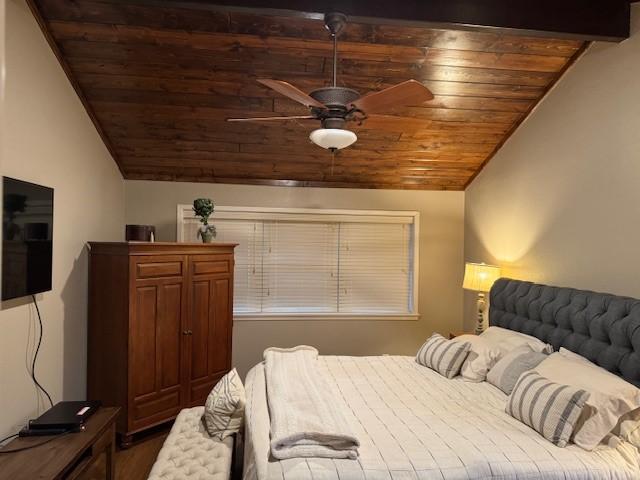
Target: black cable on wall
<point>35,356</point>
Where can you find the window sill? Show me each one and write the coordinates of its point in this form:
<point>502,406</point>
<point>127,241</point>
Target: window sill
<point>287,317</point>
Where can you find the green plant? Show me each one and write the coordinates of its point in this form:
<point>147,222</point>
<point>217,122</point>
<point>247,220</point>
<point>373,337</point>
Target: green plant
<point>203,208</point>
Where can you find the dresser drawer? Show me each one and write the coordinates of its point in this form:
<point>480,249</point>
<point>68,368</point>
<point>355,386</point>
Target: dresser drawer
<point>159,269</point>
<point>210,266</point>
<point>145,410</point>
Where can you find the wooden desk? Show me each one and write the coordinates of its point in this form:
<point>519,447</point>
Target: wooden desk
<point>66,457</point>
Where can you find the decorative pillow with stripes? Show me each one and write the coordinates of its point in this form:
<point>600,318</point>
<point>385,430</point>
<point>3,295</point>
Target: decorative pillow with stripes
<point>507,371</point>
<point>551,409</point>
<point>442,355</point>
<point>224,408</point>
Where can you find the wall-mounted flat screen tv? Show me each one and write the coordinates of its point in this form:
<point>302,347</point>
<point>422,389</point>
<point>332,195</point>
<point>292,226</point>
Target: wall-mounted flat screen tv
<point>27,238</point>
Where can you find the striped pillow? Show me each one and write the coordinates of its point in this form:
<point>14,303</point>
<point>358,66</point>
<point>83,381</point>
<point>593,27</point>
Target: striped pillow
<point>551,409</point>
<point>442,355</point>
<point>224,408</point>
<point>507,371</point>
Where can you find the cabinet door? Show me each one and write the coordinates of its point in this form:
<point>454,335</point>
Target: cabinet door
<point>155,340</point>
<point>210,321</point>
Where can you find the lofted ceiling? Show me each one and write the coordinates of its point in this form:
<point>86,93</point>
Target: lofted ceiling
<point>160,80</point>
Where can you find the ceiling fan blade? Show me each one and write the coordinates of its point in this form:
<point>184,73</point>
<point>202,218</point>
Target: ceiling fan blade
<point>271,119</point>
<point>292,92</point>
<point>406,93</point>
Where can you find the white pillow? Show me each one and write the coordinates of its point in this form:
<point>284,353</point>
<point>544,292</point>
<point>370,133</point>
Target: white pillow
<point>483,355</point>
<point>628,428</point>
<point>611,397</point>
<point>574,356</point>
<point>509,340</point>
<point>224,408</point>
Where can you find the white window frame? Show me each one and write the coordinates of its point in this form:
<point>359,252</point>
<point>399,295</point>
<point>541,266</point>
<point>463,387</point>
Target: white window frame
<point>185,212</point>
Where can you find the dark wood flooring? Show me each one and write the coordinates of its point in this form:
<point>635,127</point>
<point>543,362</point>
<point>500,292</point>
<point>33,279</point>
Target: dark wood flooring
<point>133,463</point>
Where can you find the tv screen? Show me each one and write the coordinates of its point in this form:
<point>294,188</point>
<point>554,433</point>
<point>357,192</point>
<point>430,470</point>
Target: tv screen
<point>27,238</point>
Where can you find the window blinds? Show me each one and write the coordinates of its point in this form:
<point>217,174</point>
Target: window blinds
<point>247,288</point>
<point>318,264</point>
<point>300,267</point>
<point>375,265</point>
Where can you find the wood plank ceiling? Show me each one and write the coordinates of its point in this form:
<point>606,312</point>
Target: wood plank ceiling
<point>159,82</point>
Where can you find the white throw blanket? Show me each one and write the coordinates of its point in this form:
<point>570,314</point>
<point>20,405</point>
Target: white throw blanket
<point>305,420</point>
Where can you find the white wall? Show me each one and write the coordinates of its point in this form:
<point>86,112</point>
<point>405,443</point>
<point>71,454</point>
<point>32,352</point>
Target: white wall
<point>560,203</point>
<point>441,261</point>
<point>49,139</point>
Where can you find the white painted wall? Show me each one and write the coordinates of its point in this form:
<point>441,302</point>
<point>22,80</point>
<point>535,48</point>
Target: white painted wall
<point>48,138</point>
<point>441,263</point>
<point>560,203</point>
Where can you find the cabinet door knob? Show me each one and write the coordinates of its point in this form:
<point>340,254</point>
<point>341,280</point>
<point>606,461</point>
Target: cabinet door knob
<point>187,332</point>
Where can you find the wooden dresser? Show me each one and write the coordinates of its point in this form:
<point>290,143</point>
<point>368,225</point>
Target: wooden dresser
<point>64,456</point>
<point>160,326</point>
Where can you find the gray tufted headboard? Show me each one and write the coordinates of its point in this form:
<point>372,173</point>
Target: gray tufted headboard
<point>601,327</point>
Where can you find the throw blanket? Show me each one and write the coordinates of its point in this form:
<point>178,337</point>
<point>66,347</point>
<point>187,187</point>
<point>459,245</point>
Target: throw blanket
<point>304,419</point>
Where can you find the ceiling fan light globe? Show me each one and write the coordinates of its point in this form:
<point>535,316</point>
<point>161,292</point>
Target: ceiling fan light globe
<point>333,138</point>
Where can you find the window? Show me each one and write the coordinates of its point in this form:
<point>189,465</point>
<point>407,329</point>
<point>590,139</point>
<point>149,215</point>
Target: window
<point>318,263</point>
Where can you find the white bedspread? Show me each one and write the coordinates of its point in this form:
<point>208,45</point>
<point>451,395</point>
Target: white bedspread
<point>414,424</point>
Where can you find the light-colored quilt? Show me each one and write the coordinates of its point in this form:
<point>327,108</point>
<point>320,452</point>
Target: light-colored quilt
<point>413,423</point>
<point>306,418</point>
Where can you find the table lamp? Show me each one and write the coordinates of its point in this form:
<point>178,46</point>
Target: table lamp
<point>479,277</point>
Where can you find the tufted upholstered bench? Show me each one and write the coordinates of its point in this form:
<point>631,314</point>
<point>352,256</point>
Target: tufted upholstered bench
<point>189,453</point>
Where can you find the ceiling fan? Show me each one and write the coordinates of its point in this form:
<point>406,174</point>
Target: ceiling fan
<point>335,106</point>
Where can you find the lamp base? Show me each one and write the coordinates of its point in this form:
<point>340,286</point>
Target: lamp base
<point>481,308</point>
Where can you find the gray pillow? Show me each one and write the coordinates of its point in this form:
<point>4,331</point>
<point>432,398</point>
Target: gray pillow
<point>551,409</point>
<point>442,355</point>
<point>507,370</point>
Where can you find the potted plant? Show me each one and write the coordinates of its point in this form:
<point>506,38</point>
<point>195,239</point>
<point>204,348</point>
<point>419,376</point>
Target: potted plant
<point>203,208</point>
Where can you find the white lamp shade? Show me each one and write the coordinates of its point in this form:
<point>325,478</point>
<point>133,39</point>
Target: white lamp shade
<point>480,276</point>
<point>333,138</point>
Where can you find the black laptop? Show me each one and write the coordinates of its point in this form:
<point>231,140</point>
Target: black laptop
<point>65,416</point>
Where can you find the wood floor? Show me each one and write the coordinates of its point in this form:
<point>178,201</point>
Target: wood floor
<point>133,463</point>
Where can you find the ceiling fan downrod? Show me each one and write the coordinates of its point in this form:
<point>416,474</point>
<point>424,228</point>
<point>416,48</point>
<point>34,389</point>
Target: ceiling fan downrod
<point>335,23</point>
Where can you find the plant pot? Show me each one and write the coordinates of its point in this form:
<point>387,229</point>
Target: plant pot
<point>207,237</point>
<point>207,233</point>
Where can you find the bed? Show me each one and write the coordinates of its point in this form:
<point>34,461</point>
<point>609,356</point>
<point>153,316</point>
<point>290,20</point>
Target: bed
<point>415,424</point>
